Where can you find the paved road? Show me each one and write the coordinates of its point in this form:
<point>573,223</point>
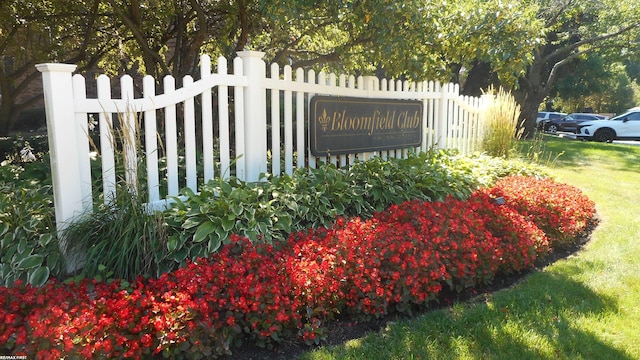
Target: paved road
<point>573,137</point>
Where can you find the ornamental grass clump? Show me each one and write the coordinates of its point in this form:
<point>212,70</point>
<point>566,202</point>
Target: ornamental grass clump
<point>501,127</point>
<point>120,238</point>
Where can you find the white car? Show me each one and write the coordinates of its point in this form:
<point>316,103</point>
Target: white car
<point>622,127</point>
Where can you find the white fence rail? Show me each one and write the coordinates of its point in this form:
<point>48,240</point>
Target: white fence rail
<point>199,131</point>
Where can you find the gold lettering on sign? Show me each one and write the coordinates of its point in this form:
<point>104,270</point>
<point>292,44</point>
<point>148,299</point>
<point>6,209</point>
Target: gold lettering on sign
<point>407,121</point>
<point>341,121</point>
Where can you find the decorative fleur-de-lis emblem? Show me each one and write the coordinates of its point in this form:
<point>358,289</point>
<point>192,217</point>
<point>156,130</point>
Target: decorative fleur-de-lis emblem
<point>324,120</point>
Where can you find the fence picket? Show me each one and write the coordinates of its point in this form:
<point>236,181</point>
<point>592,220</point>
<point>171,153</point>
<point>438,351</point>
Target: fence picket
<point>81,120</point>
<point>106,141</point>
<point>171,139</point>
<point>300,128</point>
<point>223,122</point>
<point>288,122</point>
<point>311,79</point>
<point>206,113</point>
<point>275,123</point>
<point>151,142</point>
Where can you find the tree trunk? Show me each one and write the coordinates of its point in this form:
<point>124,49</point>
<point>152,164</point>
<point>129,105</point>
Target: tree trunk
<point>479,78</point>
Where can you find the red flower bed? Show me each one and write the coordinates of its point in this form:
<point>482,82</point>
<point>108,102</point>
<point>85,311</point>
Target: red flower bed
<point>561,211</point>
<point>399,259</point>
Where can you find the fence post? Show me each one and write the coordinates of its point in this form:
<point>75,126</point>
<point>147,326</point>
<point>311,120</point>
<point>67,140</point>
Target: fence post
<point>442,118</point>
<point>255,100</point>
<point>69,174</point>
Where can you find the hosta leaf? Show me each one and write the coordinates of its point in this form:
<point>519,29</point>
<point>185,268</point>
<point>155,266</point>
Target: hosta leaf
<point>4,228</point>
<point>45,239</point>
<point>228,224</point>
<point>30,262</point>
<point>180,255</point>
<point>237,209</point>
<point>223,235</point>
<point>214,243</point>
<point>188,192</point>
<point>172,244</point>
<point>204,230</point>
<point>22,245</point>
<point>40,276</point>
<point>190,223</point>
<point>52,259</point>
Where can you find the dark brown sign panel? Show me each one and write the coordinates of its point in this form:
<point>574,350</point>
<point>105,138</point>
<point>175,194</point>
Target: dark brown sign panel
<point>346,125</point>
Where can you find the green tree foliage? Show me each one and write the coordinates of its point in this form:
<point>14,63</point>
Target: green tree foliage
<point>523,44</point>
<point>574,29</point>
<point>32,32</point>
<point>593,85</point>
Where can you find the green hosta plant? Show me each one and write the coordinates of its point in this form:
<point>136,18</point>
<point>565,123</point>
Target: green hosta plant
<point>28,245</point>
<point>203,221</point>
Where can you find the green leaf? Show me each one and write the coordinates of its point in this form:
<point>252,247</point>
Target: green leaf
<point>214,243</point>
<point>227,224</point>
<point>188,192</point>
<point>222,235</point>
<point>6,240</point>
<point>22,245</point>
<point>30,262</point>
<point>180,255</point>
<point>263,228</point>
<point>203,231</point>
<point>251,234</point>
<point>45,239</point>
<point>4,228</point>
<point>40,276</point>
<point>237,209</point>
<point>52,259</point>
<point>172,243</point>
<point>190,223</point>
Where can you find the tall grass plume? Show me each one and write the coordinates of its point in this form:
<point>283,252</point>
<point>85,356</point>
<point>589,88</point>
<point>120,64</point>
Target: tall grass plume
<point>501,134</point>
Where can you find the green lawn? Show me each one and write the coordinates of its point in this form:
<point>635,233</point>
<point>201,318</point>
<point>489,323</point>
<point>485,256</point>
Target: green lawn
<point>584,307</point>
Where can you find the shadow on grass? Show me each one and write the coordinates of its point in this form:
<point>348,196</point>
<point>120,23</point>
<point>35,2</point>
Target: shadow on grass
<point>538,321</point>
<point>576,153</point>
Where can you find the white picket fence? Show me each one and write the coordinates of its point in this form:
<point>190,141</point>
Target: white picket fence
<point>241,122</point>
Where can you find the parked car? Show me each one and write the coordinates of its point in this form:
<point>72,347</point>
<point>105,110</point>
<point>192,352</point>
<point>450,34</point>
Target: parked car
<point>548,115</point>
<point>570,122</point>
<point>622,127</point>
